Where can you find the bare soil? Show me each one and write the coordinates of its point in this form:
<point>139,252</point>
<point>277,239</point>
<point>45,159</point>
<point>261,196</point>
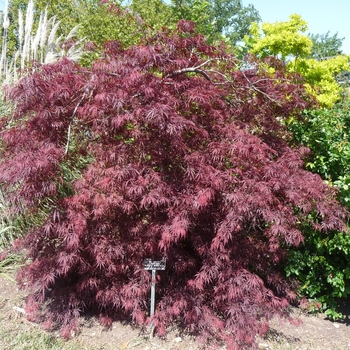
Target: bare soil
<point>315,332</point>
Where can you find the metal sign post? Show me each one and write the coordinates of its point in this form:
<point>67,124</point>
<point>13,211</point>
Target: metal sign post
<point>148,264</point>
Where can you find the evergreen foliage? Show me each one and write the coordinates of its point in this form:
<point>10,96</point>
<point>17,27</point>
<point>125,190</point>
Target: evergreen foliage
<point>184,155</point>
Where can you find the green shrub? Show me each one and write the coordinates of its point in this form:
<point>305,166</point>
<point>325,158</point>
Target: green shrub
<point>322,266</point>
<point>322,263</point>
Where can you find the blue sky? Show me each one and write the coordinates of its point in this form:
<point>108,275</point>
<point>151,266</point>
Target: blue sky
<point>321,15</point>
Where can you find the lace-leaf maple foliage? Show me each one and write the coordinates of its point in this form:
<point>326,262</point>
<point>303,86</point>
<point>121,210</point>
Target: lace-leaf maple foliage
<point>185,158</point>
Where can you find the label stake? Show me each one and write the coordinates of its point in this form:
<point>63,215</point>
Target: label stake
<point>148,264</point>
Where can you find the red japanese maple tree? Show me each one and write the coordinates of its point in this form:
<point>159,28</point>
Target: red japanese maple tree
<point>183,155</point>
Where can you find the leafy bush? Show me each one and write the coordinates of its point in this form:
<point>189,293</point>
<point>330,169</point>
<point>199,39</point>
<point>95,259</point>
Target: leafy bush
<point>320,77</point>
<point>322,263</point>
<point>326,132</point>
<point>186,159</point>
<point>322,266</point>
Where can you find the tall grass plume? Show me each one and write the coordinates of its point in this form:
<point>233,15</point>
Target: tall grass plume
<point>40,45</point>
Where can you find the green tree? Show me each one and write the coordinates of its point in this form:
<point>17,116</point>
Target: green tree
<point>100,21</point>
<point>156,13</point>
<point>321,263</point>
<point>110,21</point>
<point>97,21</point>
<point>325,45</point>
<point>213,18</point>
<point>320,77</point>
<point>218,19</point>
<point>288,41</point>
<point>282,39</point>
<point>231,19</point>
<point>197,11</point>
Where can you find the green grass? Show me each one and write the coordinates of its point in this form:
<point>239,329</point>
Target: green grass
<point>18,338</point>
<point>10,265</point>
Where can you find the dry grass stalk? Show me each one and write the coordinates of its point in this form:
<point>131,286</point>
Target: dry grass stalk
<point>41,46</point>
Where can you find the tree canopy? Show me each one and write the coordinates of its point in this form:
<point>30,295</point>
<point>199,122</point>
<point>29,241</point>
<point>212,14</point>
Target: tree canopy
<point>218,19</point>
<point>98,21</point>
<point>282,39</point>
<point>168,149</point>
<point>325,45</point>
<point>320,77</point>
<point>288,41</point>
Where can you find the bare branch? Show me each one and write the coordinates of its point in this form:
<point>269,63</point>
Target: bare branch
<point>258,90</point>
<point>190,70</point>
<point>71,121</point>
<point>222,75</point>
<point>195,69</point>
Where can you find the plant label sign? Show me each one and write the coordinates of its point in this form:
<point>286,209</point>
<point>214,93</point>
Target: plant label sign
<point>148,264</point>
